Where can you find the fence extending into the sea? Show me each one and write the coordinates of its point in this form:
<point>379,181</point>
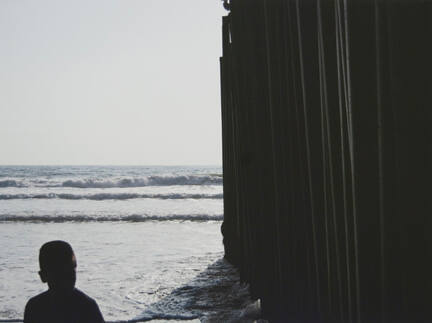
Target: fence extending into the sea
<point>326,117</point>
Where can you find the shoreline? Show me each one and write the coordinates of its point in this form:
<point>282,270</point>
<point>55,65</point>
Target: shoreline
<point>226,299</point>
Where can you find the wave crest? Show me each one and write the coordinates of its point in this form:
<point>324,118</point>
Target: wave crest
<point>147,181</point>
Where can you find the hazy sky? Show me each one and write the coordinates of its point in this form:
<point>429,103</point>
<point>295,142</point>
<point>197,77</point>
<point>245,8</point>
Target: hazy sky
<point>110,82</point>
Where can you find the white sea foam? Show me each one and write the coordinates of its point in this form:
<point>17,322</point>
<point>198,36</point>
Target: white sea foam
<point>147,181</point>
<point>150,180</point>
<point>215,295</point>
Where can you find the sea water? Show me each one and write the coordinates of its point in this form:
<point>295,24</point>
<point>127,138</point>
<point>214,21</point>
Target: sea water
<point>147,239</point>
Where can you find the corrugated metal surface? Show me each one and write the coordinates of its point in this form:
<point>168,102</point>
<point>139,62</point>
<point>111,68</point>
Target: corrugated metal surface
<point>326,109</point>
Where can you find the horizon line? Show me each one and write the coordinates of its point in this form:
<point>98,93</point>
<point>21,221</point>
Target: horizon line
<point>128,165</point>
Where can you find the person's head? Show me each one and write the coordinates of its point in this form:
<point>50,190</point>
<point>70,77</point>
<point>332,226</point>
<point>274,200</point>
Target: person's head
<point>57,265</point>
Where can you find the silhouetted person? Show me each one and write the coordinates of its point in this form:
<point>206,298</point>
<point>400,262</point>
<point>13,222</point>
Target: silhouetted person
<point>62,302</point>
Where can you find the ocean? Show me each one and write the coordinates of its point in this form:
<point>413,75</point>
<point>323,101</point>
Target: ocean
<point>147,239</point>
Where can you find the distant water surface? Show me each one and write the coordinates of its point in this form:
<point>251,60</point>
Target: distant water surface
<point>140,234</point>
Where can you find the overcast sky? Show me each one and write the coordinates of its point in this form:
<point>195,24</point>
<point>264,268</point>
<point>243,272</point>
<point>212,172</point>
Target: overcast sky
<point>132,82</point>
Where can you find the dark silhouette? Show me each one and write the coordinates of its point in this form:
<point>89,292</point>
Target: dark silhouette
<point>62,302</point>
<point>330,221</point>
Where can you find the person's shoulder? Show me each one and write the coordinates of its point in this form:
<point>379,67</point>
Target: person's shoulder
<point>90,310</point>
<point>40,298</point>
<point>83,297</point>
<point>35,306</point>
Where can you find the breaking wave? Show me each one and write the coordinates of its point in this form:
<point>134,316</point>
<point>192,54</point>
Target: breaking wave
<point>109,196</point>
<point>128,218</point>
<point>147,181</point>
<point>152,180</point>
